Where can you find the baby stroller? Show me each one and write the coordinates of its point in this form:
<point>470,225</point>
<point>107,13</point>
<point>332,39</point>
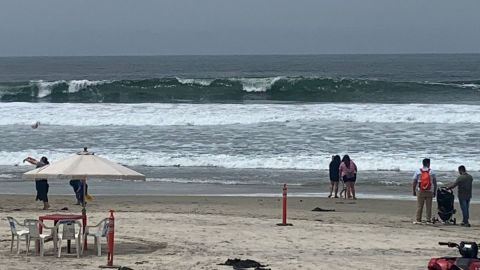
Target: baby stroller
<point>445,205</point>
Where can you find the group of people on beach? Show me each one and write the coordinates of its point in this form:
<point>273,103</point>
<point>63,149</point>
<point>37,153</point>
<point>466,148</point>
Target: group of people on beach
<point>424,186</point>
<point>42,186</point>
<point>344,170</point>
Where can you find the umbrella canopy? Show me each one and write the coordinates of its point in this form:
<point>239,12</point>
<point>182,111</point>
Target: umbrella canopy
<point>82,165</point>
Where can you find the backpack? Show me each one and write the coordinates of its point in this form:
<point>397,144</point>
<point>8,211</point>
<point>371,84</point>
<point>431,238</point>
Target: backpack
<point>425,180</point>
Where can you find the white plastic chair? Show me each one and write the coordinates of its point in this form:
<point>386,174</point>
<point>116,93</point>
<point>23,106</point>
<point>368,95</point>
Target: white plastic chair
<point>33,226</point>
<point>18,230</point>
<point>66,230</point>
<point>98,231</point>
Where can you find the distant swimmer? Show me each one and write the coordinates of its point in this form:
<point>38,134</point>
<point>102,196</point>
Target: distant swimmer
<point>34,126</point>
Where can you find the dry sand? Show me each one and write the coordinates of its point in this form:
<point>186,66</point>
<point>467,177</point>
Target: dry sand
<point>181,232</point>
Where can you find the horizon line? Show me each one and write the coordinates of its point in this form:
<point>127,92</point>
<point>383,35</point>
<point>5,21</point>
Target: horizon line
<point>252,54</point>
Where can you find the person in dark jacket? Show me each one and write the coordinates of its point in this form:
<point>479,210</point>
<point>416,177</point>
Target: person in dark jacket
<point>75,184</point>
<point>78,185</point>
<point>334,175</point>
<point>41,184</point>
<point>464,183</point>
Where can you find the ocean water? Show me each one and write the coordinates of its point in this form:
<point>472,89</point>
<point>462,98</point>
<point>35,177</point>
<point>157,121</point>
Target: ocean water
<point>243,124</point>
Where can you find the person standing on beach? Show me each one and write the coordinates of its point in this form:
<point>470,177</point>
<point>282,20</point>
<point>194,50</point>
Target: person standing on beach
<point>464,183</point>
<point>348,173</point>
<point>78,185</point>
<point>75,184</point>
<point>334,175</point>
<point>40,184</point>
<point>424,188</point>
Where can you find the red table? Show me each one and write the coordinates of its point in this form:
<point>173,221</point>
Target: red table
<point>57,217</point>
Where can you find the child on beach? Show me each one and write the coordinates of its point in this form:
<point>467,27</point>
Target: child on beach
<point>41,185</point>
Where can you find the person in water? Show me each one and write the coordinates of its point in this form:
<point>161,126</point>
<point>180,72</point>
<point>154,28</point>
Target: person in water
<point>348,173</point>
<point>334,175</point>
<point>41,184</point>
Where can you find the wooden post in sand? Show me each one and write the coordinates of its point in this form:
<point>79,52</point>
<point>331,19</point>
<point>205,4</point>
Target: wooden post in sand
<point>284,213</point>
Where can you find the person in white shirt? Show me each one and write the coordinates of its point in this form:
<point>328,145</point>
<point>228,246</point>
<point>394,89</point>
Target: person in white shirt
<point>424,188</point>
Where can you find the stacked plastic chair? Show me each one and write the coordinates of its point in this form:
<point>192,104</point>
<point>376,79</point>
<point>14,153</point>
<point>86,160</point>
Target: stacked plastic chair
<point>18,231</point>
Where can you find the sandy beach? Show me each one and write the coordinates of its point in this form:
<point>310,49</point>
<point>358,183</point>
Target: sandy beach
<point>182,232</point>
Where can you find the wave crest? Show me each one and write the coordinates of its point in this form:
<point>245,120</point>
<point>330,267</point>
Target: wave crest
<point>219,90</point>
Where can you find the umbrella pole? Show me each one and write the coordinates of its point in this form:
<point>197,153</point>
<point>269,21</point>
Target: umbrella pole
<point>84,213</point>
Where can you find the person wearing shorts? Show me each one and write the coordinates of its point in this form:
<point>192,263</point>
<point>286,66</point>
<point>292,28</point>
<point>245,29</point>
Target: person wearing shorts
<point>348,173</point>
<point>41,184</point>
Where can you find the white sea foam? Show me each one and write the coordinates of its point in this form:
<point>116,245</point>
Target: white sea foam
<point>203,82</point>
<point>366,161</point>
<point>45,87</point>
<point>461,85</point>
<point>248,84</point>
<point>78,114</point>
<point>77,85</point>
<point>470,85</point>
<point>257,84</point>
<point>197,181</point>
<point>390,183</point>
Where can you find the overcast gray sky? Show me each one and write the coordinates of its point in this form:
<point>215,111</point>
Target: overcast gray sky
<point>145,27</point>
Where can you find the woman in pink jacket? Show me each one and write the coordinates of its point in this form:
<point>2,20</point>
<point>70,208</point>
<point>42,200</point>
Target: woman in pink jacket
<point>348,173</point>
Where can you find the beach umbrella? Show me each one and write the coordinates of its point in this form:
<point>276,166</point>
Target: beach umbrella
<point>83,165</point>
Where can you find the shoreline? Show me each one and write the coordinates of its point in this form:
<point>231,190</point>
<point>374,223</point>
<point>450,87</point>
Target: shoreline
<point>129,188</point>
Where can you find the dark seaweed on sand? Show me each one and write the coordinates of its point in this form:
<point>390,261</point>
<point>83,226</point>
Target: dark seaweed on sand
<point>244,264</point>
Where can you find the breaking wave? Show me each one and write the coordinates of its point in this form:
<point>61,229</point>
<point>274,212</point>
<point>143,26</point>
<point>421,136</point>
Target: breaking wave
<point>225,90</point>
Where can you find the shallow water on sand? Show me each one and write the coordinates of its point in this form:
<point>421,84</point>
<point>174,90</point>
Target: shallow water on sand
<point>229,182</point>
